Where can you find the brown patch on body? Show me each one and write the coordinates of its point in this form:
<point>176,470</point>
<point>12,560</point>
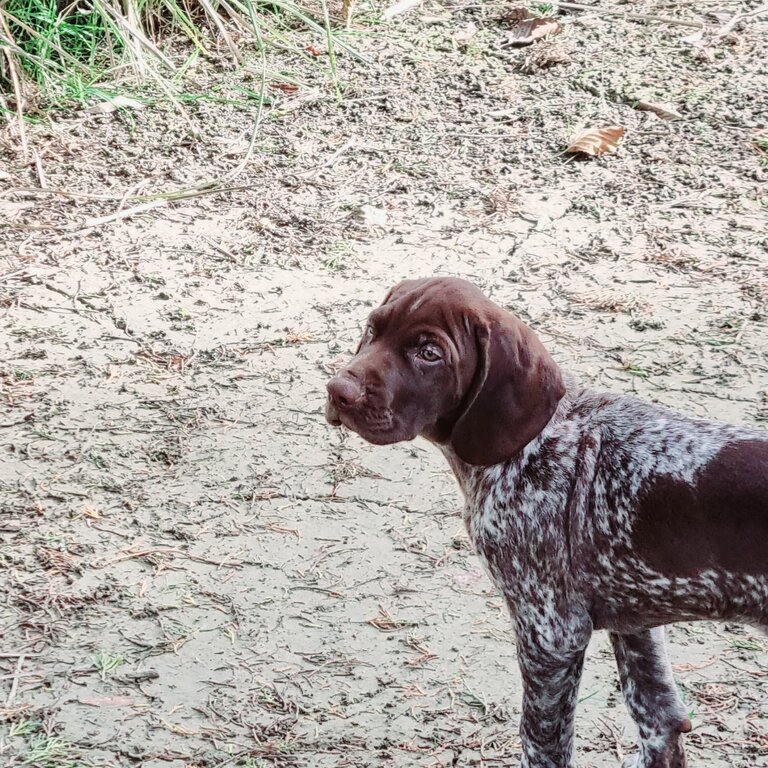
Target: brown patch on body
<point>720,521</point>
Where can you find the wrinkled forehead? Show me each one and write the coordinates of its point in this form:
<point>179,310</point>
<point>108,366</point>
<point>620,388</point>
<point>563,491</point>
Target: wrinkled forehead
<point>438,305</point>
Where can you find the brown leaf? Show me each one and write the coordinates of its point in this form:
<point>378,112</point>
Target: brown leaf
<point>57,560</point>
<point>108,701</point>
<point>664,111</point>
<point>298,336</point>
<point>596,141</point>
<point>286,87</point>
<point>530,30</point>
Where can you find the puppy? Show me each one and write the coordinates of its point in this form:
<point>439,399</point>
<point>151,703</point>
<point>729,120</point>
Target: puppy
<point>588,510</point>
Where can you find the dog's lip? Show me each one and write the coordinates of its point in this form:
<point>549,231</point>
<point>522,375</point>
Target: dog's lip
<point>332,415</point>
<point>341,418</point>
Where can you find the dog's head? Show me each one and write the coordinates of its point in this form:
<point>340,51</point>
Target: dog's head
<point>441,360</point>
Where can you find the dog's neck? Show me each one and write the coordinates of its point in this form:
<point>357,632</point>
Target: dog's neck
<point>461,469</point>
<point>466,473</point>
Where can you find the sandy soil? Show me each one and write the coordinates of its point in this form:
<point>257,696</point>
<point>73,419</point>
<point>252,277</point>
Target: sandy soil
<point>196,570</point>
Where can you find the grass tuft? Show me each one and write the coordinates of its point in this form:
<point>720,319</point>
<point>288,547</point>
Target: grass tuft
<point>56,53</point>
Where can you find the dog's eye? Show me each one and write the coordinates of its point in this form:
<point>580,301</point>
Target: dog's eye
<point>431,353</point>
<point>368,333</point>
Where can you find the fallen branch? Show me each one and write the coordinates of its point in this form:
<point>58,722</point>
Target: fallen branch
<point>181,194</point>
<point>163,551</point>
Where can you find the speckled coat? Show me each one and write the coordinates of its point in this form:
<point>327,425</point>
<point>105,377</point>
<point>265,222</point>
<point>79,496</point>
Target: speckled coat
<point>594,526</point>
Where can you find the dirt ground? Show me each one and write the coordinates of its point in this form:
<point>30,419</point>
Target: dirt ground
<point>196,569</point>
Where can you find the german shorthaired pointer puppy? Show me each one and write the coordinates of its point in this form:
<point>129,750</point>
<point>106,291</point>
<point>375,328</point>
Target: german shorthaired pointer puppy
<point>588,510</point>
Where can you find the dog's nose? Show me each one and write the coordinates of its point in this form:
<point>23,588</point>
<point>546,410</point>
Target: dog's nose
<point>344,391</point>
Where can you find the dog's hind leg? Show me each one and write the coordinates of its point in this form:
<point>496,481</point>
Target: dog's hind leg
<point>652,699</point>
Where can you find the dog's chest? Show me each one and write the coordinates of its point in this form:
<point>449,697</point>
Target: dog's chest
<point>514,525</point>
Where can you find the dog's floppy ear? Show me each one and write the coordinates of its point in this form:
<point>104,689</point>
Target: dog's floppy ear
<point>514,392</point>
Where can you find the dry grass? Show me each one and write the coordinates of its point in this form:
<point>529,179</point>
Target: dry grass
<point>54,55</point>
<point>608,302</point>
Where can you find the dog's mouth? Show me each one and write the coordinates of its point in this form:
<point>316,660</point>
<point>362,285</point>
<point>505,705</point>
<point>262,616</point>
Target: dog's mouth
<point>376,426</point>
<point>332,415</point>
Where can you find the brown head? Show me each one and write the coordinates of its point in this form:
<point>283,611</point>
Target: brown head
<point>441,360</point>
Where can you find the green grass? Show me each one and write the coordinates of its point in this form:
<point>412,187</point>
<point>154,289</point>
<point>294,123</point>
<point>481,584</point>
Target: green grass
<point>62,52</point>
<point>543,9</point>
<point>57,53</point>
<point>338,257</point>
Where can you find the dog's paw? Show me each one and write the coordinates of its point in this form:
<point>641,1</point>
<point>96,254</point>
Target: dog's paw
<point>669,755</point>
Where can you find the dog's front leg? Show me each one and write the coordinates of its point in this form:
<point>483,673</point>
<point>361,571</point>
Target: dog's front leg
<point>652,700</point>
<point>550,662</point>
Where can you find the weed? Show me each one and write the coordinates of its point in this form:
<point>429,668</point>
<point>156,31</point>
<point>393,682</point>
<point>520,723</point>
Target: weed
<point>106,663</point>
<point>338,257</point>
<point>748,644</point>
<point>634,369</point>
<point>50,752</point>
<point>23,728</point>
<point>19,374</point>
<point>542,9</point>
<point>252,762</point>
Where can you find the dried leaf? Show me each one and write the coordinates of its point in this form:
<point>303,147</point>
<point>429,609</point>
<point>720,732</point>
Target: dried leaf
<point>58,561</point>
<point>109,701</point>
<point>530,30</point>
<point>179,730</point>
<point>465,33</point>
<point>113,103</point>
<point>596,141</point>
<point>298,336</point>
<point>664,111</point>
<point>10,209</point>
<point>373,217</point>
<point>385,622</point>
